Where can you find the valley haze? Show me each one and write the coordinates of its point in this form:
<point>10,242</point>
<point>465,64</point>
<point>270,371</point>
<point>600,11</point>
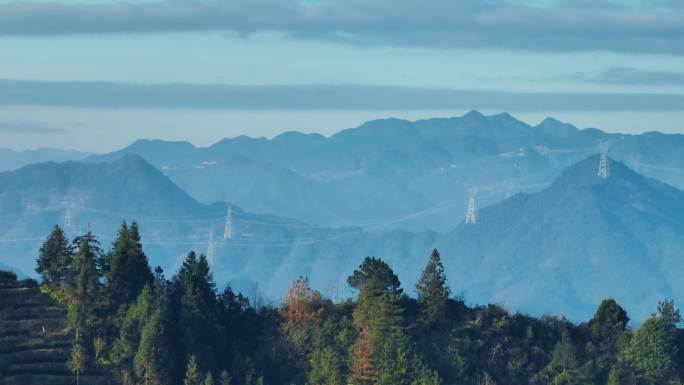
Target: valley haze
<point>305,204</point>
<point>341,192</point>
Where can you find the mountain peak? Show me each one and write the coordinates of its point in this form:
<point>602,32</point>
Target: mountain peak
<point>585,173</point>
<point>473,114</point>
<point>133,160</point>
<point>549,121</point>
<point>554,126</point>
<point>144,144</point>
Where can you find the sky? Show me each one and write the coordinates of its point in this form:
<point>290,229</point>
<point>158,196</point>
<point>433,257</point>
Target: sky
<point>96,75</point>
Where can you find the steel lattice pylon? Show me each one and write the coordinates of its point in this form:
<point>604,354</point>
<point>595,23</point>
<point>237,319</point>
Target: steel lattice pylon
<point>471,214</point>
<point>603,169</point>
<point>228,228</point>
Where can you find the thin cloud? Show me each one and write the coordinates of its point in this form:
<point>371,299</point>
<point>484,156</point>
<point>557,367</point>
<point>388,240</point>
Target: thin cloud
<point>632,76</point>
<point>644,27</point>
<point>318,97</point>
<point>33,128</point>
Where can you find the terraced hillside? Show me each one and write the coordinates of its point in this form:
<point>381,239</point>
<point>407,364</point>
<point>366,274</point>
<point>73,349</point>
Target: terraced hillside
<point>34,339</point>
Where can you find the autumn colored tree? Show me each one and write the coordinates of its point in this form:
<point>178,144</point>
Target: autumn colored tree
<point>300,302</point>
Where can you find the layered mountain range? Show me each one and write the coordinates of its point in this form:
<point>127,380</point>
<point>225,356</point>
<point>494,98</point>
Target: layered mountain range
<point>393,173</point>
<point>566,242</point>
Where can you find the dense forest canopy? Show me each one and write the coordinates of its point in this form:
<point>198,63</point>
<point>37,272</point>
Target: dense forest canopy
<point>144,328</point>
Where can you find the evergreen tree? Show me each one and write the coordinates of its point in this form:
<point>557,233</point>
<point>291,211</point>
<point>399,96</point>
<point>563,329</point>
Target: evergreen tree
<point>192,374</point>
<point>381,353</point>
<point>126,344</point>
<point>609,322</point>
<point>380,272</point>
<point>152,355</point>
<point>128,270</point>
<point>55,258</point>
<point>197,309</point>
<point>326,367</point>
<point>607,331</point>
<point>86,288</point>
<point>433,292</point>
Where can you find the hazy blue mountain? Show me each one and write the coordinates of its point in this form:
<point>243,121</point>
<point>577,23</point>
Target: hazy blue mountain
<point>561,249</point>
<point>11,159</point>
<point>582,239</point>
<point>266,249</point>
<point>394,173</point>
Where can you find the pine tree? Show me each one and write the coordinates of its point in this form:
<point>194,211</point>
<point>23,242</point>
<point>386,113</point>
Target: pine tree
<point>55,258</point>
<point>381,353</point>
<point>326,367</point>
<point>152,355</point>
<point>197,309</point>
<point>392,349</point>
<point>362,362</point>
<point>128,270</point>
<point>379,271</point>
<point>86,283</point>
<point>192,375</point>
<point>127,343</point>
<point>433,292</point>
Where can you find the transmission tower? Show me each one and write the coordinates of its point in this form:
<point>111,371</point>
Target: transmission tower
<point>603,168</point>
<point>471,214</point>
<point>228,229</point>
<point>68,220</point>
<point>210,247</point>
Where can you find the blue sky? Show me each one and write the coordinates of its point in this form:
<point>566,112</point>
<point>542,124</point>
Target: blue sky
<point>518,47</point>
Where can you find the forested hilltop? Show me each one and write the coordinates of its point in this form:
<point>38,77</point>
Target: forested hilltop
<point>140,327</point>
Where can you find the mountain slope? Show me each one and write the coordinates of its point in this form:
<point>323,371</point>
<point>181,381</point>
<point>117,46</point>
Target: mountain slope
<point>35,342</point>
<point>564,248</point>
<point>580,240</point>
<point>395,173</point>
<point>266,249</point>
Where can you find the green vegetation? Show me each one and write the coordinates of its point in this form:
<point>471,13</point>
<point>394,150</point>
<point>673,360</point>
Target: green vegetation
<point>139,327</point>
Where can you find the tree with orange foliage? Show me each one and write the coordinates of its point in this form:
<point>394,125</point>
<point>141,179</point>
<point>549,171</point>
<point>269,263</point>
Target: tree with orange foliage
<point>300,313</point>
<point>362,363</point>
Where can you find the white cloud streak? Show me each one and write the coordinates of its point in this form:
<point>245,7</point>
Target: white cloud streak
<point>564,26</point>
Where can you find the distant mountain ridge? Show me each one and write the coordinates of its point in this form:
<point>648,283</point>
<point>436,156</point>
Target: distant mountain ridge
<point>11,159</point>
<point>561,249</point>
<point>394,173</point>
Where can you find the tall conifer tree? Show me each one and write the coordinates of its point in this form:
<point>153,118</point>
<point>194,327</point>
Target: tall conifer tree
<point>433,292</point>
<point>86,283</point>
<point>128,270</point>
<point>55,258</point>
